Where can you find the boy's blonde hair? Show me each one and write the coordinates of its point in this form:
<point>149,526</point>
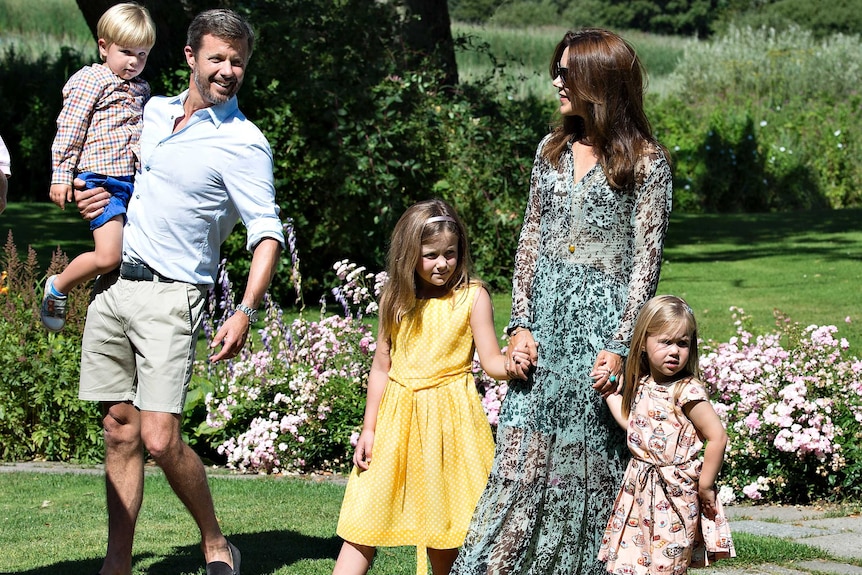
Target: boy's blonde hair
<point>421,222</point>
<point>128,24</point>
<point>663,312</point>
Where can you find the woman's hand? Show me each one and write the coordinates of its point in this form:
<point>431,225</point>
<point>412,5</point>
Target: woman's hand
<point>91,202</point>
<point>362,455</point>
<point>607,373</point>
<point>522,353</point>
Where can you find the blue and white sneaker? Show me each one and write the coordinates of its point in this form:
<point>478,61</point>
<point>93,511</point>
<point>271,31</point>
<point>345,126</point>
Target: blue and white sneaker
<point>53,310</point>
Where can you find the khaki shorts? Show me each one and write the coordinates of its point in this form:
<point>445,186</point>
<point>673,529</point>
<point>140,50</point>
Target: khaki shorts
<point>139,342</point>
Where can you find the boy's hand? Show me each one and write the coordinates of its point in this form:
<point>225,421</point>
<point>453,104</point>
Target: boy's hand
<point>60,194</point>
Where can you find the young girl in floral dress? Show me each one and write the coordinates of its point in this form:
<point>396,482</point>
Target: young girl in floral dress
<point>424,423</point>
<point>667,515</point>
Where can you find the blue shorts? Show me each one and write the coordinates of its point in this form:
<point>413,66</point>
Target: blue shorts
<point>120,188</point>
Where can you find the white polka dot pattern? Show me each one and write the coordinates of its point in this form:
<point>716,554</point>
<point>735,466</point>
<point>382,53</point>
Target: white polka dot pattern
<point>433,448</point>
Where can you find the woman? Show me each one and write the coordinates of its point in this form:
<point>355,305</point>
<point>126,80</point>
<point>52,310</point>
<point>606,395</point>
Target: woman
<point>588,258</point>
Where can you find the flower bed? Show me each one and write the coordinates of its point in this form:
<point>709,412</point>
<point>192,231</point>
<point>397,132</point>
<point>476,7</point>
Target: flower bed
<point>791,399</point>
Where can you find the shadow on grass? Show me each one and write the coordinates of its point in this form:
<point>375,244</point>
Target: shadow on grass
<point>45,227</point>
<point>262,553</point>
<point>813,233</point>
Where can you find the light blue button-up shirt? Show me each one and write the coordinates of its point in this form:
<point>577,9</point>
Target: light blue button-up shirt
<point>194,185</point>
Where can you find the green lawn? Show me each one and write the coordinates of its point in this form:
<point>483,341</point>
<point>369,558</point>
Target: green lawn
<point>55,523</point>
<point>807,264</point>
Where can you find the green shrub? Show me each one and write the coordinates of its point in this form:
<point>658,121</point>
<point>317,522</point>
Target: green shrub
<point>29,105</point>
<point>531,13</point>
<point>761,120</point>
<point>473,11</point>
<point>40,414</point>
<point>842,16</point>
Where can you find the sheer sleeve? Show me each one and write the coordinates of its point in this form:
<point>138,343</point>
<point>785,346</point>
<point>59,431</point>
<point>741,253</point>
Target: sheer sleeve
<point>652,207</point>
<point>528,249</point>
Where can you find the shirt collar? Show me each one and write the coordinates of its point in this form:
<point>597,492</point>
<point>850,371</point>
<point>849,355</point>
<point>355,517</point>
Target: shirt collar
<point>219,113</point>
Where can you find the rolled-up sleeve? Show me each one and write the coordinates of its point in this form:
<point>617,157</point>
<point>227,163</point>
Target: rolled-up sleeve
<point>249,182</point>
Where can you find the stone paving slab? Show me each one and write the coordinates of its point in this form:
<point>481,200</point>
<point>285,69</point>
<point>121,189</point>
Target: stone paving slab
<point>788,531</point>
<point>831,567</point>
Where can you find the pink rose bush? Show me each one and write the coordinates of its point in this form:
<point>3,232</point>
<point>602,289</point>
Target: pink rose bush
<point>293,402</point>
<point>791,401</point>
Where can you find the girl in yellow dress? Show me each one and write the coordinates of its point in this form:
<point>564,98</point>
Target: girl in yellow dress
<point>424,423</point>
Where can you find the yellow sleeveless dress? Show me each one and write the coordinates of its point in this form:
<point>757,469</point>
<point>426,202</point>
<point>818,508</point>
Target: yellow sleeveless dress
<point>433,447</point>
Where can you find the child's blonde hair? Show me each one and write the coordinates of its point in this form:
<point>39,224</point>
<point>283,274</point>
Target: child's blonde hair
<point>660,314</point>
<point>128,24</point>
<point>420,223</point>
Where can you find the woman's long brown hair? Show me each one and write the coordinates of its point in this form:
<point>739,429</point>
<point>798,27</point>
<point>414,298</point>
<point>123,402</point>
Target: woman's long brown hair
<point>604,73</point>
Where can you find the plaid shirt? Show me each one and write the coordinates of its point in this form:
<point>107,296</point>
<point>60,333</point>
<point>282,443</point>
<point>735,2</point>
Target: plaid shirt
<point>99,127</point>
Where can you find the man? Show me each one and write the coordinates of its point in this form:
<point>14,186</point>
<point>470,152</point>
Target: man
<point>203,166</point>
<point>5,172</point>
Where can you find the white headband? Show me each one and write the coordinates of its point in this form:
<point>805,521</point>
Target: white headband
<point>439,219</point>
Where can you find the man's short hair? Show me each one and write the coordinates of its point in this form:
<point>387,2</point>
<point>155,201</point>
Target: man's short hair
<point>221,23</point>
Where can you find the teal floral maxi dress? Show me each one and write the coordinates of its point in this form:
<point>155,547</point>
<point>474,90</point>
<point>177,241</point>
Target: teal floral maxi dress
<point>588,258</point>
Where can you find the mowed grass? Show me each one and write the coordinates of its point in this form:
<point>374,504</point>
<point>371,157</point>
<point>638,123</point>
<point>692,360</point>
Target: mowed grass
<point>806,264</point>
<point>56,523</point>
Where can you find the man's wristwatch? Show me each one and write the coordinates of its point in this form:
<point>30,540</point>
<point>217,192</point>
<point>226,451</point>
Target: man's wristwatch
<point>251,313</point>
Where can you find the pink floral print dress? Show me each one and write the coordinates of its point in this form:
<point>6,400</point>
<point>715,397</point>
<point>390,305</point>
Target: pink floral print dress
<point>656,526</point>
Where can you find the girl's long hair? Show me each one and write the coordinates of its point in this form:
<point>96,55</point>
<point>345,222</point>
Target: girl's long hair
<point>660,314</point>
<point>398,296</point>
<point>605,73</point>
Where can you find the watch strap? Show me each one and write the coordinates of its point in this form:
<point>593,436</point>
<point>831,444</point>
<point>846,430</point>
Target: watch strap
<point>251,313</point>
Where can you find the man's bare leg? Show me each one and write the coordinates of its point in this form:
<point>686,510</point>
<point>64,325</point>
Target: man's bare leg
<point>183,468</point>
<point>124,483</point>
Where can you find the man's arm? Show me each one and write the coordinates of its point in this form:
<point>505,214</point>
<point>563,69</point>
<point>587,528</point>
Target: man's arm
<point>234,331</point>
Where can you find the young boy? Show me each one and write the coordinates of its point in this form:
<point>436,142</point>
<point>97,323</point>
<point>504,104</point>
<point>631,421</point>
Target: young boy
<point>98,132</point>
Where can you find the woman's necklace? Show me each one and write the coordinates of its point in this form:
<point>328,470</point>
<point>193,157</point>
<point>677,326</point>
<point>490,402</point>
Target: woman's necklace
<point>581,151</point>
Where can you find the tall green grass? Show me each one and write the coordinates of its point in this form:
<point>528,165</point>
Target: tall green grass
<point>518,58</point>
<point>33,32</point>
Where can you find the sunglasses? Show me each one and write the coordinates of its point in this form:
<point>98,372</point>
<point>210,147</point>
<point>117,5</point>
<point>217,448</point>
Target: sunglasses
<point>561,73</point>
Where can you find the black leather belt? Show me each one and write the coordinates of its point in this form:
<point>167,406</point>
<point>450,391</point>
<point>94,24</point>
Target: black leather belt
<point>141,273</point>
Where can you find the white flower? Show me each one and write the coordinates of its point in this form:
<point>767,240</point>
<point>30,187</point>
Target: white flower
<point>763,123</point>
<point>726,495</point>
